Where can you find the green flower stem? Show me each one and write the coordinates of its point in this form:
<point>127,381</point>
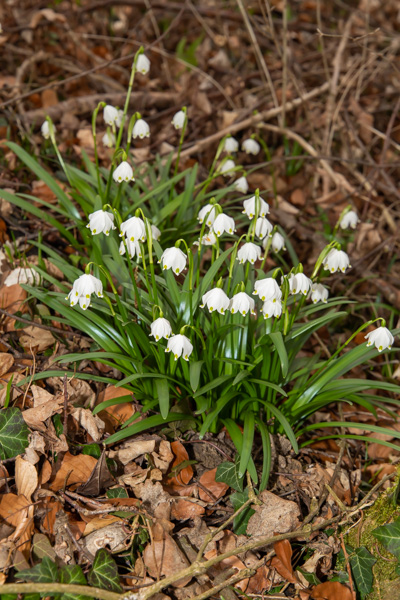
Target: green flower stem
<point>322,257</point>
<point>94,133</point>
<point>197,331</point>
<point>53,141</point>
<point>266,250</point>
<point>184,109</point>
<point>191,269</point>
<point>128,96</point>
<point>211,174</point>
<point>109,279</point>
<point>149,237</point>
<point>232,261</point>
<point>131,125</point>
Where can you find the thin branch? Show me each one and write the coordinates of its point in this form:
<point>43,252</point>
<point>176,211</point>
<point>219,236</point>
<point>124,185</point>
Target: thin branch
<point>58,588</point>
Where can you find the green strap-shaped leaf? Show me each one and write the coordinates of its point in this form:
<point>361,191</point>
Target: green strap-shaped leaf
<point>154,421</point>
<point>13,433</point>
<point>195,371</point>
<point>247,445</point>
<point>277,340</point>
<point>104,572</point>
<point>163,396</point>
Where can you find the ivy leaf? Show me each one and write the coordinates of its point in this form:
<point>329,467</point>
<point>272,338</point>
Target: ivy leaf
<point>73,574</point>
<point>361,562</point>
<point>240,522</point>
<point>117,493</point>
<point>44,572</point>
<point>389,536</point>
<point>13,433</point>
<point>104,573</point>
<point>228,472</point>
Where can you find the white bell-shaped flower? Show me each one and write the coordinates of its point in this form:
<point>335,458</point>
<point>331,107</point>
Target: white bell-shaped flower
<point>101,221</point>
<point>249,252</point>
<point>83,288</point>
<point>299,284</point>
<point>231,145</point>
<point>161,328</point>
<point>178,119</point>
<point>110,114</point>
<point>142,64</point>
<point>277,242</point>
<point>123,173</point>
<point>134,229</point>
<point>216,299</point>
<point>223,223</point>
<point>381,337</point>
<point>209,239</point>
<point>336,260</point>
<point>241,185</point>
<point>179,345</point>
<point>141,129</point>
<point>242,303</point>
<point>267,290</point>
<point>226,168</point>
<point>133,249</point>
<point>263,228</point>
<point>250,146</point>
<point>272,308</point>
<point>173,258</point>
<point>155,232</point>
<point>108,139</point>
<point>250,205</point>
<point>118,120</point>
<point>350,219</point>
<point>319,293</point>
<point>209,213</point>
<point>45,130</point>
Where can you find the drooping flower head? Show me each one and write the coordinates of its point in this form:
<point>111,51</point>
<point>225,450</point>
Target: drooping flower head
<point>223,223</point>
<point>134,229</point>
<point>249,252</point>
<point>101,221</point>
<point>45,129</point>
<point>83,288</point>
<point>108,139</point>
<point>155,232</point>
<point>272,308</point>
<point>242,303</point>
<point>110,114</point>
<point>381,337</point>
<point>267,289</point>
<point>263,228</point>
<point>178,119</point>
<point>226,168</point>
<point>123,173</point>
<point>133,249</point>
<point>173,258</point>
<point>277,242</point>
<point>336,260</point>
<point>249,207</point>
<point>208,211</point>
<point>216,299</point>
<point>208,239</point>
<point>299,284</point>
<point>231,145</point>
<point>179,345</point>
<point>350,219</point>
<point>319,293</point>
<point>143,64</point>
<point>161,328</point>
<point>250,146</point>
<point>140,129</point>
<point>241,185</point>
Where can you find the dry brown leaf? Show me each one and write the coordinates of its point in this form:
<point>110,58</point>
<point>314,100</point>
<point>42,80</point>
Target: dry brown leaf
<point>6,362</point>
<point>131,450</point>
<point>119,413</point>
<point>217,488</point>
<point>77,468</point>
<point>184,475</point>
<point>91,423</point>
<point>297,197</point>
<point>12,299</point>
<point>40,395</point>
<point>36,339</point>
<point>282,562</point>
<point>185,509</point>
<point>99,522</point>
<point>164,557</point>
<point>35,417</point>
<point>18,512</point>
<point>164,456</point>
<point>45,473</point>
<point>331,590</point>
<point>26,478</point>
<point>275,515</point>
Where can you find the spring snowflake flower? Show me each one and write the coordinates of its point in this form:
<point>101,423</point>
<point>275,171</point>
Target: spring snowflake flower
<point>336,260</point>
<point>263,228</point>
<point>216,299</point>
<point>141,129</point>
<point>208,239</point>
<point>111,114</point>
<point>133,249</point>
<point>101,221</point>
<point>250,146</point>
<point>299,284</point>
<point>277,242</point>
<point>123,173</point>
<point>231,145</point>
<point>241,185</point>
<point>203,213</point>
<point>242,303</point>
<point>178,120</point>
<point>155,232</point>
<point>173,258</point>
<point>267,290</point>
<point>45,130</point>
<point>319,293</point>
<point>179,345</point>
<point>134,229</point>
<point>272,308</point>
<point>223,223</point>
<point>108,139</point>
<point>83,288</point>
<point>142,64</point>
<point>249,207</point>
<point>226,168</point>
<point>249,252</point>
<point>381,337</point>
<point>350,219</point>
<point>161,328</point>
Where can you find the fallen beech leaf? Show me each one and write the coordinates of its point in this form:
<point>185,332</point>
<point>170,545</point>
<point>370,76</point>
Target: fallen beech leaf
<point>78,468</point>
<point>331,590</point>
<point>185,509</point>
<point>12,299</point>
<point>91,423</point>
<point>35,417</point>
<point>118,413</point>
<point>99,522</point>
<point>36,338</point>
<point>6,362</point>
<point>217,488</point>
<point>18,512</point>
<point>184,475</point>
<point>26,478</point>
<point>131,450</point>
<point>164,557</point>
<point>282,562</point>
<point>99,478</point>
<point>275,515</point>
<point>164,456</point>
